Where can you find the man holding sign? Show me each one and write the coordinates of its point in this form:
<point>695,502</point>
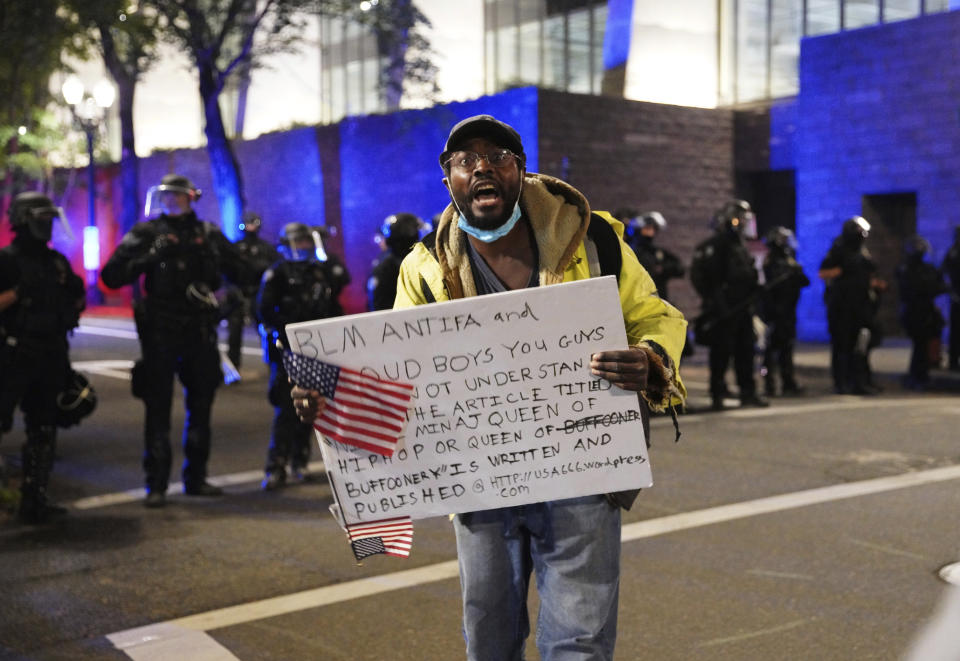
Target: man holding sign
<point>507,229</point>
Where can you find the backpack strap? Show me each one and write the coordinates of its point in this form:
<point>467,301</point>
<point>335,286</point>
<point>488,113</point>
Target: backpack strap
<point>603,248</point>
<point>430,243</point>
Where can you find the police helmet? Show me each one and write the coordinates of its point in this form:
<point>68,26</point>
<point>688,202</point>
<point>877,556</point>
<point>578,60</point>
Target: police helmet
<point>171,183</point>
<point>781,238</point>
<point>915,247</point>
<point>32,214</point>
<point>299,242</point>
<point>251,222</point>
<point>855,228</point>
<point>652,219</point>
<point>77,400</point>
<point>735,216</point>
<point>400,231</point>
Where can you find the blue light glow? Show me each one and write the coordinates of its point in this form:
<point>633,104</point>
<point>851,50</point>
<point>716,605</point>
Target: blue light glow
<point>91,248</point>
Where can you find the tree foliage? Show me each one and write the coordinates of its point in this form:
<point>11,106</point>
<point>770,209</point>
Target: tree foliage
<point>33,35</point>
<point>125,33</point>
<point>399,28</point>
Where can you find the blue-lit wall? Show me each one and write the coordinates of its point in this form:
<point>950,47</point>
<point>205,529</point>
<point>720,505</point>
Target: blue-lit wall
<point>389,164</point>
<point>878,112</point>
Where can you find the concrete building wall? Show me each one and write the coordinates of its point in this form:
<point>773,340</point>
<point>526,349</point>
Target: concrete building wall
<point>877,114</point>
<point>352,175</point>
<point>620,153</point>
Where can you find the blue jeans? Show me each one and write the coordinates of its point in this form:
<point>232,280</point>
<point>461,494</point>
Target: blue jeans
<point>573,547</point>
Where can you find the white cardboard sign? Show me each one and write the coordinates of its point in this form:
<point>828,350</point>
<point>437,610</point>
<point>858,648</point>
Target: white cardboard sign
<point>506,411</point>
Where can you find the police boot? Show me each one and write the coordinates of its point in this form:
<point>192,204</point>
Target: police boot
<point>37,455</point>
<point>792,388</point>
<point>196,448</point>
<point>770,386</point>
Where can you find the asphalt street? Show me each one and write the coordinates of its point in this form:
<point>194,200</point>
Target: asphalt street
<point>814,529</point>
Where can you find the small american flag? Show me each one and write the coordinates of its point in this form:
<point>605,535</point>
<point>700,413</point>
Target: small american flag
<point>361,410</point>
<point>389,536</point>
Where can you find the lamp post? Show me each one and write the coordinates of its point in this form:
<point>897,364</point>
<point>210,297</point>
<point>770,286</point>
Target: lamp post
<point>89,109</point>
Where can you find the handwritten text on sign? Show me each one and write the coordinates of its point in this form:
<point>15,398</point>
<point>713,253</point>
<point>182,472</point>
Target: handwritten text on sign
<point>506,411</point>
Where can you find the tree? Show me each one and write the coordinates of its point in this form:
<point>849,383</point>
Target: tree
<point>397,26</point>
<point>33,34</point>
<point>218,35</point>
<point>125,34</point>
<point>231,37</point>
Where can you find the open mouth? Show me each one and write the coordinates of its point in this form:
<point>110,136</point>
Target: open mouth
<point>486,193</point>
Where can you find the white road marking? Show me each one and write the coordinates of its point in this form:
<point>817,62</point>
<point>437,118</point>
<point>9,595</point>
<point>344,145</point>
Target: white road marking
<point>122,333</point>
<point>132,335</point>
<point>755,634</point>
<point>835,403</point>
<point>780,574</point>
<point>160,642</point>
<point>133,495</point>
<point>366,587</point>
<point>887,549</point>
<point>786,501</point>
<point>117,369</point>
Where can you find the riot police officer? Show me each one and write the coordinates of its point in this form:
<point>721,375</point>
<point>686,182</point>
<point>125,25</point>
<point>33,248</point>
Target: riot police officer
<point>724,275</point>
<point>40,301</point>
<point>182,260</point>
<point>920,283</point>
<point>260,254</point>
<point>784,279</point>
<point>661,264</point>
<point>299,287</point>
<point>396,237</point>
<point>336,267</point>
<point>951,269</point>
<point>852,298</point>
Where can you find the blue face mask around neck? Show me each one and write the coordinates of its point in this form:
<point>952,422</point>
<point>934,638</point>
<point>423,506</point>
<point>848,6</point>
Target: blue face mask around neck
<point>489,236</point>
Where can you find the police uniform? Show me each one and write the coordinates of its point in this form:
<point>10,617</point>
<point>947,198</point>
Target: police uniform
<point>920,283</point>
<point>661,264</point>
<point>785,280</point>
<point>33,341</point>
<point>182,260</point>
<point>951,269</point>
<point>851,308</point>
<point>299,287</point>
<point>260,254</point>
<point>724,275</point>
<point>397,235</point>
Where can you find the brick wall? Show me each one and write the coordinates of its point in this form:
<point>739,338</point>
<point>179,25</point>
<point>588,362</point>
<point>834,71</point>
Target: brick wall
<point>352,175</point>
<point>621,153</point>
<point>877,113</point>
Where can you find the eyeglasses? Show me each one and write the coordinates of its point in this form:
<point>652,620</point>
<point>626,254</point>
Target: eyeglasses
<point>467,160</point>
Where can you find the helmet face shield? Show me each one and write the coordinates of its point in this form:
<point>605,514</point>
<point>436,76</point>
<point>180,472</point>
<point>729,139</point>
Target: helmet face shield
<point>782,238</point>
<point>855,229</point>
<point>300,243</point>
<point>41,219</point>
<point>402,229</point>
<point>170,199</point>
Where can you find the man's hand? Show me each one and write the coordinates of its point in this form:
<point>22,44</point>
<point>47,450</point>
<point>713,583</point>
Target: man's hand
<point>627,368</point>
<point>307,403</point>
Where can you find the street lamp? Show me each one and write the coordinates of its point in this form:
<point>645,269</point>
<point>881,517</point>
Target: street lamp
<point>89,110</point>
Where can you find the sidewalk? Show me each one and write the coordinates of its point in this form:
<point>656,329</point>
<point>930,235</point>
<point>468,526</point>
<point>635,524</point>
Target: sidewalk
<point>889,363</point>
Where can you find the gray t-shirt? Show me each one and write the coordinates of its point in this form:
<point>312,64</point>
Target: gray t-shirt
<point>487,281</point>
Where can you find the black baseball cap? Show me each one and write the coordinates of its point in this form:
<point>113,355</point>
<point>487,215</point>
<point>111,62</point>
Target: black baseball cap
<point>483,126</point>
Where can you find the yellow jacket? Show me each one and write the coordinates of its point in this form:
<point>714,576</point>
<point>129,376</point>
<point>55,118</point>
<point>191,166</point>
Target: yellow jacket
<point>439,270</point>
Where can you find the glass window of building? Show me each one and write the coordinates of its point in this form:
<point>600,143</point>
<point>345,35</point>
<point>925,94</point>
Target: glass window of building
<point>899,10</point>
<point>556,44</point>
<point>764,47</point>
<point>857,13</point>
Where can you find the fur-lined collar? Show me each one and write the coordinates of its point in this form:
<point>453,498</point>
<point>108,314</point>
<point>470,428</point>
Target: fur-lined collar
<point>559,215</point>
